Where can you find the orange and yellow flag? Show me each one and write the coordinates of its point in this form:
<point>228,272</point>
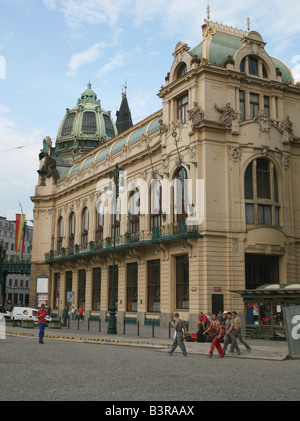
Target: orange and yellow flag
<point>20,219</point>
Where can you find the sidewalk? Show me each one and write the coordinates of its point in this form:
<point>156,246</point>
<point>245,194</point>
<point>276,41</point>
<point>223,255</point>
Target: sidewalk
<point>261,349</point>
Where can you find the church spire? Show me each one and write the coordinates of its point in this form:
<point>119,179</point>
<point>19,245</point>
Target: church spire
<point>124,120</point>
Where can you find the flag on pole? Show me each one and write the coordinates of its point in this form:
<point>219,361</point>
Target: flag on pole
<point>20,219</point>
<point>23,240</point>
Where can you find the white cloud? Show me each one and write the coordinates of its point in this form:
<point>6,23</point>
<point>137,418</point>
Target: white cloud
<point>296,69</point>
<point>18,176</point>
<point>86,57</point>
<point>114,63</point>
<point>88,12</point>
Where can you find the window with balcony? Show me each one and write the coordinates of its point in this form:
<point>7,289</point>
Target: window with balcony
<point>99,221</point>
<point>180,195</point>
<point>60,233</point>
<point>134,211</point>
<point>72,230</point>
<point>155,204</point>
<point>85,226</point>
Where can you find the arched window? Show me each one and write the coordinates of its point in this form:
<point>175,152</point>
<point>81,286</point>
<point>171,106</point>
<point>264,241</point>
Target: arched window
<point>261,193</point>
<point>89,125</point>
<point>155,204</point>
<point>109,128</point>
<point>60,232</point>
<point>72,229</point>
<point>254,66</point>
<point>99,221</point>
<point>134,211</point>
<point>182,70</point>
<point>117,210</point>
<point>68,125</point>
<point>85,226</point>
<point>180,195</point>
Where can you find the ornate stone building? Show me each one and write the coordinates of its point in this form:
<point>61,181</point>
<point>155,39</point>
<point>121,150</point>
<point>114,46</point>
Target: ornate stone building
<point>225,150</point>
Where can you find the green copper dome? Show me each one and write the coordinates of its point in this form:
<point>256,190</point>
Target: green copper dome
<point>84,127</point>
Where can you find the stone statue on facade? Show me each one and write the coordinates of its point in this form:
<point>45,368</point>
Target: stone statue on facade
<point>196,115</point>
<point>228,114</point>
<point>287,126</point>
<point>163,128</point>
<point>48,169</point>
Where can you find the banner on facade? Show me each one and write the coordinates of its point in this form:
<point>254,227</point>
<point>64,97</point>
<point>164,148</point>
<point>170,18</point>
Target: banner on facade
<point>292,325</point>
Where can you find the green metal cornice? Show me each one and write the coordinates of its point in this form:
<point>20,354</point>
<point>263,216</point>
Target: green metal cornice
<point>171,232</point>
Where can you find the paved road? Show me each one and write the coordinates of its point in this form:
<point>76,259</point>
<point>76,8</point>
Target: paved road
<point>74,371</point>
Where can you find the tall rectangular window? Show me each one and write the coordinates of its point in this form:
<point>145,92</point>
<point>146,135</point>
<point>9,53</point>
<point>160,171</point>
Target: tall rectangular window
<point>153,286</point>
<point>242,106</point>
<point>68,279</point>
<point>182,282</point>
<point>81,287</point>
<point>96,289</point>
<point>267,105</point>
<point>254,105</point>
<point>110,285</point>
<point>132,286</point>
<point>253,66</point>
<point>56,290</point>
<point>263,179</point>
<point>182,108</point>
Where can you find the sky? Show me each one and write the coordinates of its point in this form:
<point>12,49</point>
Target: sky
<point>51,49</point>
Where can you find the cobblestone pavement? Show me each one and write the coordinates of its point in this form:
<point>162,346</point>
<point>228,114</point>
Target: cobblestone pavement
<point>79,370</point>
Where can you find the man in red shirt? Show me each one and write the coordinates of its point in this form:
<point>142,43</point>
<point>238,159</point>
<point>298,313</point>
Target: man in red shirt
<point>41,316</point>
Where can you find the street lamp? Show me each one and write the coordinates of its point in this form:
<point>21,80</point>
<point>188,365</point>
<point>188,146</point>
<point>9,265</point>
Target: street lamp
<point>114,176</point>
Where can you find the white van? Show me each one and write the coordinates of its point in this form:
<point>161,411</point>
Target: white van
<point>23,313</point>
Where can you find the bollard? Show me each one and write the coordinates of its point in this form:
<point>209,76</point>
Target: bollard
<point>124,324</point>
<point>138,328</point>
<point>88,324</point>
<point>169,330</point>
<point>68,322</point>
<point>152,329</point>
<point>99,324</point>
<point>78,323</point>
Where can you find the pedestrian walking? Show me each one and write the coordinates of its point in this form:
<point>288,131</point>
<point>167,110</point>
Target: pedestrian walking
<point>230,335</point>
<point>178,335</point>
<point>65,315</point>
<point>80,313</point>
<point>41,316</point>
<point>73,311</point>
<point>215,330</point>
<point>238,331</point>
<point>220,317</point>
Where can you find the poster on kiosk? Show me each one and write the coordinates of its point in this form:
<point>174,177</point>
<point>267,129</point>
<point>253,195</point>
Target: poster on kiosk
<point>292,326</point>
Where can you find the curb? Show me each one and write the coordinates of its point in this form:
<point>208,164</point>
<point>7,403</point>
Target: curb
<point>158,346</point>
<point>84,339</point>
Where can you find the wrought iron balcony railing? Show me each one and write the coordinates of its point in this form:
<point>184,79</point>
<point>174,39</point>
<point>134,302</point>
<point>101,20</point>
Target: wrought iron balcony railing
<point>156,235</point>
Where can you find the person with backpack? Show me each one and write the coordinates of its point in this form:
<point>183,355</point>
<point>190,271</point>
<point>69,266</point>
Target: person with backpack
<point>178,335</point>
